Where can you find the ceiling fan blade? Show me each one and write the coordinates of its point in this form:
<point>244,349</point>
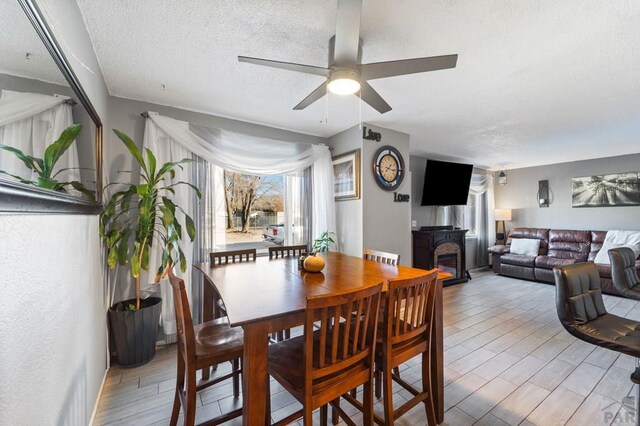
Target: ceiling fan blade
<point>313,96</point>
<point>407,66</point>
<point>372,97</point>
<point>290,66</point>
<point>347,32</point>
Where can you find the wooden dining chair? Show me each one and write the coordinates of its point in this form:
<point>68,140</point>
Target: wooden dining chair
<point>406,333</point>
<point>199,347</point>
<point>224,258</point>
<point>232,256</point>
<point>389,259</point>
<point>334,359</point>
<point>381,256</point>
<point>287,251</point>
<point>281,252</point>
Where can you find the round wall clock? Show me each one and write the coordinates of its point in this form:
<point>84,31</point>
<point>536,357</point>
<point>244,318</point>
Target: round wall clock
<point>388,168</point>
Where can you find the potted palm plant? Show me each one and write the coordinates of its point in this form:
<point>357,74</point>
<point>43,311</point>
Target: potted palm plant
<point>45,167</point>
<point>132,219</point>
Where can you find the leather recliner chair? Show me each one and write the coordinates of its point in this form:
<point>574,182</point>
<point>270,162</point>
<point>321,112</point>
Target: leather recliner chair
<point>582,313</point>
<point>623,272</point>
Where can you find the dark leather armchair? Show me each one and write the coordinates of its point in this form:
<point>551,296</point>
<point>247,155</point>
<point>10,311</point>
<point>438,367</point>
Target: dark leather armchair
<point>623,272</point>
<point>582,313</point>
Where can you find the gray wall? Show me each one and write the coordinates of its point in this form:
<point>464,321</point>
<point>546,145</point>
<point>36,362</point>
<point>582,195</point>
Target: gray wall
<point>386,224</point>
<point>519,194</point>
<point>21,84</point>
<point>349,212</point>
<point>52,313</point>
<point>375,221</point>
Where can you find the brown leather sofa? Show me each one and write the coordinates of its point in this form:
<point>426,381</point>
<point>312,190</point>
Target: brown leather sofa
<point>558,247</point>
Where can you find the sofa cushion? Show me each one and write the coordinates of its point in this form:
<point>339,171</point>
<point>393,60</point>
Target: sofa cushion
<point>548,262</point>
<point>518,260</point>
<point>499,249</point>
<point>517,271</point>
<point>537,233</point>
<point>544,275</point>
<point>597,239</point>
<point>569,244</point>
<point>604,270</point>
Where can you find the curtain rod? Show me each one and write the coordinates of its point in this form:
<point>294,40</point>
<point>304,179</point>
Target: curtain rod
<point>146,114</point>
<point>70,102</point>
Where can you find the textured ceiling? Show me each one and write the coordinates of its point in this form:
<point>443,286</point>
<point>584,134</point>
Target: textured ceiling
<point>537,82</point>
<point>19,38</point>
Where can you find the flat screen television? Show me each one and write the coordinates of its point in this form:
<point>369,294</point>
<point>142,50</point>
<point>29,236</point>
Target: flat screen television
<point>446,184</point>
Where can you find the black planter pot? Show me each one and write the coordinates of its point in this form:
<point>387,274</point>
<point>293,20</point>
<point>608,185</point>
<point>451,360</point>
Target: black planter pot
<point>135,332</point>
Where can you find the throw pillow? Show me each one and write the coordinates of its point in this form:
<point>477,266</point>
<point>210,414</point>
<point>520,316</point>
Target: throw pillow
<point>615,239</point>
<point>603,255</point>
<point>526,246</point>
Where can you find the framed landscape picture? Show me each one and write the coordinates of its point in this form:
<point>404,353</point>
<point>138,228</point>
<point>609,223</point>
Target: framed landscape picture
<point>619,189</point>
<point>346,176</point>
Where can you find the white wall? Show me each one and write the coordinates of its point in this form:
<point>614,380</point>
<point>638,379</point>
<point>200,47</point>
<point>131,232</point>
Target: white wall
<point>519,194</point>
<point>349,212</point>
<point>52,319</point>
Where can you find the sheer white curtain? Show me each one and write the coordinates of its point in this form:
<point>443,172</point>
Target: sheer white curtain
<point>482,187</point>
<point>166,149</point>
<point>30,122</point>
<point>296,207</point>
<point>238,153</point>
<point>172,140</point>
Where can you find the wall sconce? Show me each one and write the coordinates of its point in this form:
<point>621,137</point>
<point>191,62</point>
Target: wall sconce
<point>501,215</point>
<point>502,177</point>
<point>543,193</point>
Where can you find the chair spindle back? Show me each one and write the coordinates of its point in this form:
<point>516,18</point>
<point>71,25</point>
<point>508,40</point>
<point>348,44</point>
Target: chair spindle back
<point>409,309</point>
<point>287,251</point>
<point>347,332</point>
<point>232,256</point>
<point>382,257</point>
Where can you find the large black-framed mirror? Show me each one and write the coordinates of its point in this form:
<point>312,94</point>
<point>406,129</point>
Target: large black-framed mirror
<point>41,102</point>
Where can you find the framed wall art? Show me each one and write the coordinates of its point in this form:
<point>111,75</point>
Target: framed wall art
<point>619,189</point>
<point>346,176</point>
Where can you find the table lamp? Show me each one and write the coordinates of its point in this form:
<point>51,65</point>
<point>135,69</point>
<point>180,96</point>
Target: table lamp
<point>501,215</point>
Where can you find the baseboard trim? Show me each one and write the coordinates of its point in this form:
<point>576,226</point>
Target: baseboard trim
<point>97,403</point>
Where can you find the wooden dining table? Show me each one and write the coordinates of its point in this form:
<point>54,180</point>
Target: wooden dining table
<point>266,296</point>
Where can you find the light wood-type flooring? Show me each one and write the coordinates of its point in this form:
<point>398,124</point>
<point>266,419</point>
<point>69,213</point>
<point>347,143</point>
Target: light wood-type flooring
<point>508,361</point>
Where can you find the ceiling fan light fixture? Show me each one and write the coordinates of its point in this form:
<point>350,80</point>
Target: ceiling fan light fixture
<point>343,82</point>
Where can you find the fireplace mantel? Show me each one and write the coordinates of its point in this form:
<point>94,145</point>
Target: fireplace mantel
<point>441,247</point>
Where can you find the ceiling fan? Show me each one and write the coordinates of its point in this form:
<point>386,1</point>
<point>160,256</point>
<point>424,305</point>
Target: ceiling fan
<point>346,74</point>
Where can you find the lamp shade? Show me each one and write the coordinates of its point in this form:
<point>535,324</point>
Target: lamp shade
<point>502,214</point>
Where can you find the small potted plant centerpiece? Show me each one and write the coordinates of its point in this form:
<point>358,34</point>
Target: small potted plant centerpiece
<point>132,219</point>
<point>323,243</point>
